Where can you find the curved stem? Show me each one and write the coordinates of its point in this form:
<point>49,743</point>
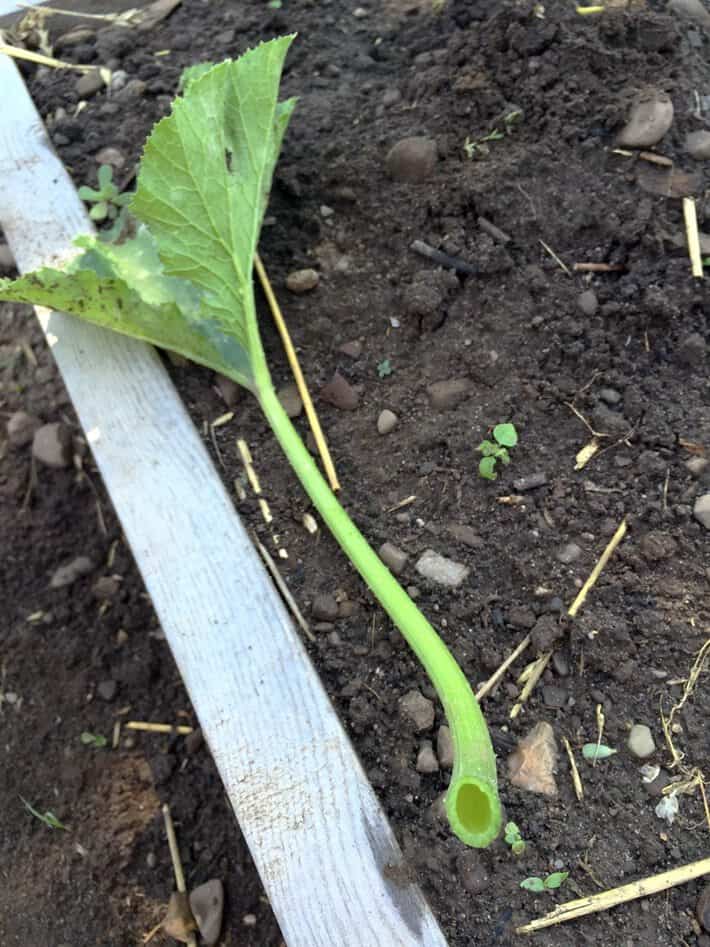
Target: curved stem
<point>472,803</point>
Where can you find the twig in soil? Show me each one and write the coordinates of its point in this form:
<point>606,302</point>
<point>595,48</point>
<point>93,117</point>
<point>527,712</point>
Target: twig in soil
<point>532,673</point>
<point>218,422</point>
<point>590,11</point>
<point>596,571</point>
<point>121,19</point>
<point>666,484</point>
<point>601,720</point>
<point>599,268</point>
<point>490,228</point>
<point>16,52</point>
<point>31,486</point>
<point>152,932</point>
<point>177,864</point>
<point>691,232</point>
<point>245,454</point>
<point>278,318</point>
<point>158,727</point>
<point>555,257</point>
<point>576,778</point>
<point>284,589</point>
<point>613,896</point>
<point>653,158</point>
<point>405,502</point>
<point>584,421</point>
<point>488,686</point>
<point>443,259</point>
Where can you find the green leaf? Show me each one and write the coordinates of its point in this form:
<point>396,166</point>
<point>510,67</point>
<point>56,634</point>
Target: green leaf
<point>594,751</point>
<point>488,448</point>
<point>48,817</point>
<point>487,468</point>
<point>518,847</point>
<point>93,739</point>
<point>123,287</point>
<point>533,884</point>
<point>512,832</point>
<point>506,435</point>
<point>99,211</point>
<point>503,455</point>
<point>384,368</point>
<point>105,178</point>
<point>555,879</point>
<point>88,193</point>
<point>205,177</point>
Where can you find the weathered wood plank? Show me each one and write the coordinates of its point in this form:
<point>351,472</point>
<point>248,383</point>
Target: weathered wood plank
<point>323,847</point>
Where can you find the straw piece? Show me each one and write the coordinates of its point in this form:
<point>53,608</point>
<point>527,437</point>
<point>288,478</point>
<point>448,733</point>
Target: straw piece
<point>177,864</point>
<point>596,571</point>
<point>297,374</point>
<point>691,232</point>
<point>16,52</point>
<point>284,589</point>
<point>534,675</point>
<point>609,899</point>
<point>555,257</point>
<point>488,686</point>
<point>157,727</point>
<point>576,779</point>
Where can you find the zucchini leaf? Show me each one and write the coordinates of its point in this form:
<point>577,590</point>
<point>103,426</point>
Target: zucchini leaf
<point>185,281</point>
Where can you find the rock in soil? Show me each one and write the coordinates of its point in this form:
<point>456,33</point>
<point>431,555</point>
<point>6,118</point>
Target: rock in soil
<point>691,10</point>
<point>656,546</point>
<point>532,764</point>
<point>697,144</point>
<point>697,465</point>
<point>702,909</point>
<point>418,709</point>
<point>325,608</point>
<point>207,904</point>
<point>386,422</point>
<point>445,747</point>
<point>21,428</point>
<point>394,558</point>
<point>110,156</point>
<point>554,697</point>
<point>466,535</point>
<point>340,393</point>
<point>89,84</point>
<point>412,159</point>
<point>107,587</point>
<point>290,400</point>
<point>302,281</point>
<point>692,350</point>
<point>426,759</point>
<point>439,569</point>
<point>351,349</point>
<point>52,445</point>
<point>651,117</point>
<point>107,690</point>
<point>587,302</point>
<point>447,394</point>
<point>701,510</point>
<point>69,573</point>
<point>641,742</point>
<point>569,553</point>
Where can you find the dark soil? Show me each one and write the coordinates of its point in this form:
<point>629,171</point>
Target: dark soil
<point>517,332</point>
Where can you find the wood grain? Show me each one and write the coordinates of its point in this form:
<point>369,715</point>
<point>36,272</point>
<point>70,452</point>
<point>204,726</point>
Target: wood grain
<point>322,845</point>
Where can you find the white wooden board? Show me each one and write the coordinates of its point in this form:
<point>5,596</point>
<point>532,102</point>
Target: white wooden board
<point>322,845</point>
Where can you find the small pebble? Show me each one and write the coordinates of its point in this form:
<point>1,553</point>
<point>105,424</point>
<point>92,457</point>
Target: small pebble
<point>325,608</point>
<point>249,920</point>
<point>697,465</point>
<point>110,156</point>
<point>351,349</point>
<point>107,690</point>
<point>651,117</point>
<point>691,10</point>
<point>532,764</point>
<point>568,553</point>
<point>640,741</point>
<point>530,482</point>
<point>391,97</point>
<point>52,445</point>
<point>387,421</point>
<point>610,396</point>
<point>444,395</point>
<point>412,159</point>
<point>697,144</point>
<point>151,860</point>
<point>426,759</point>
<point>554,697</point>
<point>441,570</point>
<point>302,281</point>
<point>560,664</point>
<point>418,709</point>
<point>133,89</point>
<point>466,535</point>
<point>207,906</point>
<point>587,302</point>
<point>106,587</point>
<point>394,558</point>
<point>340,393</point>
<point>702,908</point>
<point>21,428</point>
<point>701,510</point>
<point>69,573</point>
<point>89,84</point>
<point>445,747</point>
<point>692,350</point>
<point>290,400</point>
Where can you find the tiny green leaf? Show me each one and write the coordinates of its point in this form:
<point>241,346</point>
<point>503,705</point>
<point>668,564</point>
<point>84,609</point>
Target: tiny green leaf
<point>48,817</point>
<point>488,448</point>
<point>487,468</point>
<point>105,177</point>
<point>594,751</point>
<point>99,211</point>
<point>533,884</point>
<point>384,368</point>
<point>518,847</point>
<point>88,193</point>
<point>93,739</point>
<point>512,832</point>
<point>555,879</point>
<point>506,435</point>
<point>503,455</point>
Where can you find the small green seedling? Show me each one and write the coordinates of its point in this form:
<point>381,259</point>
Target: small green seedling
<point>504,436</point>
<point>108,202</point>
<point>49,818</point>
<point>384,368</point>
<point>597,751</point>
<point>550,883</point>
<point>479,146</point>
<point>514,838</point>
<point>93,739</point>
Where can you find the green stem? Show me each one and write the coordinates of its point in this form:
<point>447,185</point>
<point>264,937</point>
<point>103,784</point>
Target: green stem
<point>472,803</point>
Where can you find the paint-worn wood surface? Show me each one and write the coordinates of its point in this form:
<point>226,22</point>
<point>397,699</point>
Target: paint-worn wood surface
<point>323,847</point>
